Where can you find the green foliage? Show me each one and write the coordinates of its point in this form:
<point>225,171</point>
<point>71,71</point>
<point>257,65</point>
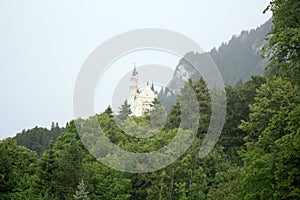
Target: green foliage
<point>257,156</point>
<point>17,165</point>
<point>240,58</point>
<point>174,117</point>
<point>124,111</point>
<point>157,115</point>
<point>201,92</point>
<point>230,171</point>
<point>271,98</point>
<point>109,111</point>
<point>39,139</point>
<point>274,157</point>
<point>203,98</point>
<point>81,192</point>
<point>238,100</point>
<point>236,60</point>
<point>230,186</point>
<point>283,40</point>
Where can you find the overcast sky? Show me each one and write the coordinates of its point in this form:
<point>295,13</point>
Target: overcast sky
<point>43,44</point>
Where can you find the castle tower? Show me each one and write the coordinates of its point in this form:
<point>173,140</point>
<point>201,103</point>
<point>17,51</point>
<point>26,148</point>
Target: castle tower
<point>133,82</point>
<point>140,101</point>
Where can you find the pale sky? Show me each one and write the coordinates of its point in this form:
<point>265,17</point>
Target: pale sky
<point>44,44</point>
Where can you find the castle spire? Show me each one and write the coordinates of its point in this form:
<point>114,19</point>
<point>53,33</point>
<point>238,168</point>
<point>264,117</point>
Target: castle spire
<point>133,81</point>
<point>152,87</point>
<point>134,73</point>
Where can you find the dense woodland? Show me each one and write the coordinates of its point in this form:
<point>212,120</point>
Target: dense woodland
<point>39,139</point>
<point>256,157</point>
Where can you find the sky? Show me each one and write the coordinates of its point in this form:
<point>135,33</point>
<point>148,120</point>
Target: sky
<point>45,43</point>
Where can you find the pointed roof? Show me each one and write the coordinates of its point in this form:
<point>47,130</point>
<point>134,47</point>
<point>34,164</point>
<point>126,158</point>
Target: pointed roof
<point>152,86</point>
<point>134,73</point>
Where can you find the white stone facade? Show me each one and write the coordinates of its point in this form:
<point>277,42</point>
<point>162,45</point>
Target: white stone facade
<point>140,101</point>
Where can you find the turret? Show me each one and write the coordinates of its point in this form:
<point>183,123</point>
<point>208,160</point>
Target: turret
<point>133,82</point>
<point>152,87</point>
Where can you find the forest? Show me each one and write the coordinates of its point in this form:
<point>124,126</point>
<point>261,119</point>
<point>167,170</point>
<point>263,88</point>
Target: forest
<point>256,157</point>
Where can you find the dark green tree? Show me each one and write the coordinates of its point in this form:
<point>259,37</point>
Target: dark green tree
<point>109,111</point>
<point>270,121</point>
<point>60,169</point>
<point>283,39</point>
<point>39,139</point>
<point>17,169</point>
<point>272,97</point>
<point>203,98</point>
<point>238,100</point>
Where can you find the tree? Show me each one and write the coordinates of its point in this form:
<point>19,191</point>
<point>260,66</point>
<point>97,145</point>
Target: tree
<point>109,111</point>
<point>272,120</point>
<point>124,110</point>
<point>174,117</point>
<point>186,105</point>
<point>204,103</point>
<point>81,192</point>
<point>270,164</point>
<point>157,115</point>
<point>238,100</point>
<point>283,39</point>
<point>39,139</point>
<point>272,97</point>
<point>60,169</point>
<point>16,171</point>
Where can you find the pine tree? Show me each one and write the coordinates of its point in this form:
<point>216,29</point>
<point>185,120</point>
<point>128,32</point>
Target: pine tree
<point>109,111</point>
<point>157,114</point>
<point>81,192</point>
<point>124,110</point>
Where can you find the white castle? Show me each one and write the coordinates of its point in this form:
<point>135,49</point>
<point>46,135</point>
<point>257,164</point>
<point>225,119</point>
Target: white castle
<point>140,101</point>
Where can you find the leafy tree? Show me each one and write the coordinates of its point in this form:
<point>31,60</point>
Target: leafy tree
<point>283,39</point>
<point>229,187</point>
<point>270,118</point>
<point>16,170</point>
<point>272,159</point>
<point>199,88</point>
<point>277,94</point>
<point>287,148</point>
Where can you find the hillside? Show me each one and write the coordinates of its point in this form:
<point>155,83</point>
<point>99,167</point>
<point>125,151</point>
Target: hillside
<point>240,58</point>
<point>39,139</point>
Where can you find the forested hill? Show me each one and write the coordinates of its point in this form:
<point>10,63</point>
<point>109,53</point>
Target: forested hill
<point>240,58</point>
<point>39,139</point>
<point>256,156</point>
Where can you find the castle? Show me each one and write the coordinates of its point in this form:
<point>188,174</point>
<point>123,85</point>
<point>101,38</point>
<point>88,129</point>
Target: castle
<point>140,101</point>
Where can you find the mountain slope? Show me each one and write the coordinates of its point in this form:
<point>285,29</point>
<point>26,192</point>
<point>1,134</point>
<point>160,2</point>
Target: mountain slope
<point>240,58</point>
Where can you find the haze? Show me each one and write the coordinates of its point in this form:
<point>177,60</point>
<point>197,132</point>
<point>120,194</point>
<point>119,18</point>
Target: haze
<point>44,43</point>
